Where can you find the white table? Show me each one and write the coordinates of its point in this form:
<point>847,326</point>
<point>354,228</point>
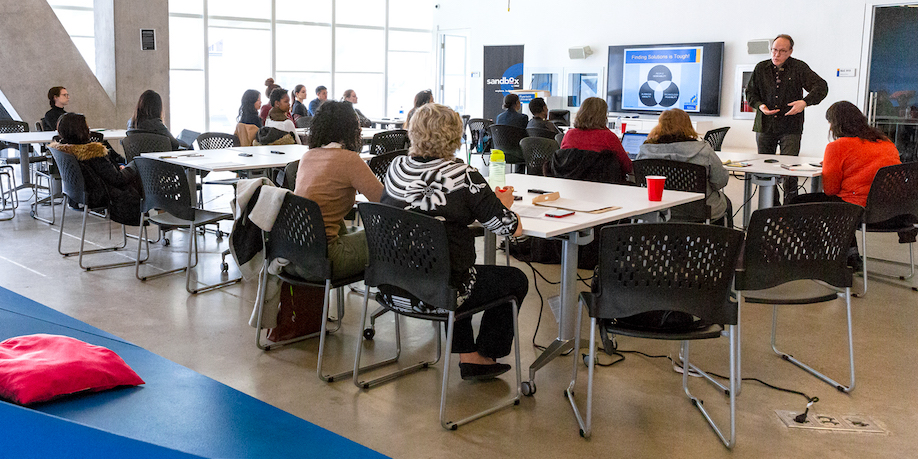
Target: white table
<point>23,139</point>
<point>577,230</point>
<point>765,174</point>
<point>385,123</point>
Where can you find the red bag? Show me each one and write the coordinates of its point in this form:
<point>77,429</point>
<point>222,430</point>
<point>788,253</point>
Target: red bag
<point>300,312</point>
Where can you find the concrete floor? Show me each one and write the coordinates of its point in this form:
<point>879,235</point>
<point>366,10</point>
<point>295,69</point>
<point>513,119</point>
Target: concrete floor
<point>639,408</point>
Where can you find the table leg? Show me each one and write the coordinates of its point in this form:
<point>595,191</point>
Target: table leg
<point>569,301</point>
<point>490,248</point>
<point>192,175</point>
<point>24,167</point>
<point>747,198</point>
<point>767,185</point>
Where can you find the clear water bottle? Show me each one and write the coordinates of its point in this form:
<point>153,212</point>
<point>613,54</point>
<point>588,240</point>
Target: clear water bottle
<point>401,112</point>
<point>497,169</point>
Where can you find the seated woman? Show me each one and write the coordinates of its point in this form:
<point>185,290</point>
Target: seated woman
<point>540,116</point>
<point>107,184</point>
<point>675,139</point>
<point>278,129</point>
<point>58,98</point>
<point>350,96</point>
<point>270,87</point>
<point>851,161</point>
<point>420,99</point>
<point>591,133</point>
<point>511,115</point>
<point>248,121</point>
<point>429,180</point>
<point>148,117</point>
<point>299,109</point>
<point>331,173</point>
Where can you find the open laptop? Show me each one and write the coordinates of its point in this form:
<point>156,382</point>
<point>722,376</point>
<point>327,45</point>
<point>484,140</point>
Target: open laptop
<point>632,142</point>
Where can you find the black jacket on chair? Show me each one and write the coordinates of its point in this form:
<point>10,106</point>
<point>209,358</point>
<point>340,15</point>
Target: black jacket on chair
<point>590,166</point>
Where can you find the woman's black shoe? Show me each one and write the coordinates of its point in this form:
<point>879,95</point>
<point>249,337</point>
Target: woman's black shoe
<point>475,371</point>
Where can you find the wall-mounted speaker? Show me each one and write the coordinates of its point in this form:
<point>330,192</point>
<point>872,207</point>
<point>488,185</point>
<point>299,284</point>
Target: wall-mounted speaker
<point>580,52</point>
<point>758,46</point>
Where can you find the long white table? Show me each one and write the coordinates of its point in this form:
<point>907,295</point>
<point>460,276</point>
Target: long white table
<point>386,123</point>
<point>577,230</point>
<point>24,139</point>
<point>366,134</point>
<point>765,174</point>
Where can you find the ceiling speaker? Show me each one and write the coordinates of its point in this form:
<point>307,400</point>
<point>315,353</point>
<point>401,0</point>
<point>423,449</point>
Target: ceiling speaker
<point>580,52</point>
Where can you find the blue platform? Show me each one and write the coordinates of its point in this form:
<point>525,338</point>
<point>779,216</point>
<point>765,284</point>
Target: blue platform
<point>177,413</point>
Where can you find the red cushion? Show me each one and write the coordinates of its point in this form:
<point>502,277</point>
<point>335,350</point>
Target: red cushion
<point>38,368</point>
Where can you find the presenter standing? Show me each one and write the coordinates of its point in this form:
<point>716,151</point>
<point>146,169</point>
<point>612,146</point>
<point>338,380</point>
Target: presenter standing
<point>776,90</point>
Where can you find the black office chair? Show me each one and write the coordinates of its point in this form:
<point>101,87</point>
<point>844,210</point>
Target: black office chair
<point>683,267</point>
<point>539,132</point>
<point>386,141</point>
<point>304,122</point>
<point>217,141</point>
<point>380,164</point>
<point>537,150</point>
<point>144,142</point>
<point>507,139</point>
<point>892,206</point>
<point>409,253</point>
<point>74,189</point>
<point>715,137</point>
<point>796,255</point>
<point>465,124</point>
<point>477,129</point>
<point>286,178</point>
<point>12,127</point>
<point>187,138</point>
<point>9,200</point>
<point>680,176</point>
<point>559,137</point>
<point>165,188</point>
<point>560,117</point>
<point>48,175</point>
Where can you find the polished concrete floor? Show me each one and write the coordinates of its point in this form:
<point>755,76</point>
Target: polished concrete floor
<point>640,410</point>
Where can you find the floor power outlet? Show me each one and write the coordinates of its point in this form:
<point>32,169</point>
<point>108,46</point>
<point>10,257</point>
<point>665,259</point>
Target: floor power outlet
<point>824,421</point>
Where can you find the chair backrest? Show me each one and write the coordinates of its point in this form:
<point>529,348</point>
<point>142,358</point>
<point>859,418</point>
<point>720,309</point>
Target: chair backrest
<point>72,182</point>
<point>298,235</point>
<point>507,139</point>
<point>539,132</point>
<point>537,150</point>
<point>386,141</point>
<point>379,164</point>
<point>96,136</point>
<point>715,137</point>
<point>217,140</point>
<point>304,121</point>
<point>477,128</point>
<point>409,251</point>
<point>465,123</point>
<point>188,137</point>
<point>560,117</point>
<point>12,127</point>
<point>165,187</point>
<point>559,137</point>
<point>39,127</point>
<point>667,266</point>
<point>287,177</point>
<point>590,166</point>
<point>144,142</point>
<point>680,176</point>
<point>894,192</point>
<point>801,241</point>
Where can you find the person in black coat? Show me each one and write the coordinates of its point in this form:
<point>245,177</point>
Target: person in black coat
<point>58,98</point>
<point>511,115</point>
<point>148,117</point>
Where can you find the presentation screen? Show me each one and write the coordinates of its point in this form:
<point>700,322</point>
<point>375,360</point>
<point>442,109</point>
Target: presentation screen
<point>653,78</point>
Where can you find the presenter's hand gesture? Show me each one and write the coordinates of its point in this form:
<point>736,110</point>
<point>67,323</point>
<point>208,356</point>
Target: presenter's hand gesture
<point>766,111</point>
<point>796,106</point>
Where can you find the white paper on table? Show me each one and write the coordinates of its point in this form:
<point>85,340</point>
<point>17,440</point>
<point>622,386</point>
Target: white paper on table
<point>528,210</point>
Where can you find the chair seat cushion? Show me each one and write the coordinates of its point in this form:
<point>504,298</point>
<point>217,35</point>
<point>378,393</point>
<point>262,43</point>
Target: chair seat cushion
<point>404,303</point>
<point>676,334</point>
<point>38,368</point>
<point>804,291</point>
<point>201,217</point>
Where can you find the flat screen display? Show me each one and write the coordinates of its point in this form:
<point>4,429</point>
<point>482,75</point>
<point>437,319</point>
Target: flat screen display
<point>653,78</point>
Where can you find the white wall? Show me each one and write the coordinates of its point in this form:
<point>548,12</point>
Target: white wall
<point>827,36</point>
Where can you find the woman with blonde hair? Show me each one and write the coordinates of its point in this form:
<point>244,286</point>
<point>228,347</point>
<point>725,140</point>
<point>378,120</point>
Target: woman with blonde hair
<point>591,133</point>
<point>675,139</point>
<point>431,181</point>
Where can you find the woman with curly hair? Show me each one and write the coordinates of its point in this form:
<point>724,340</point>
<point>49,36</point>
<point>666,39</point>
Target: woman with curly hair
<point>331,173</point>
<point>430,181</point>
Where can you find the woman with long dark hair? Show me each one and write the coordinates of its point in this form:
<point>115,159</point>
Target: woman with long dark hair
<point>298,95</point>
<point>248,109</point>
<point>420,99</point>
<point>148,117</point>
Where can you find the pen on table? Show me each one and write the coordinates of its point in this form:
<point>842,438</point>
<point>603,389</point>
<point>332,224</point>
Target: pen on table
<point>538,191</point>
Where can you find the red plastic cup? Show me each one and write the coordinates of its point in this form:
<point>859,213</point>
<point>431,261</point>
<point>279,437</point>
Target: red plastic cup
<point>655,187</point>
<point>624,128</point>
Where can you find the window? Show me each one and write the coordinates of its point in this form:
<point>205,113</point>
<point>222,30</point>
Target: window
<point>78,19</point>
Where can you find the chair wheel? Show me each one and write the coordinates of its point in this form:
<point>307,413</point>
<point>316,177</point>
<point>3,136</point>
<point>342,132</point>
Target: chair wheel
<point>224,266</point>
<point>220,234</point>
<point>528,388</point>
<point>581,433</point>
<point>166,242</point>
<point>32,213</point>
<point>369,333</point>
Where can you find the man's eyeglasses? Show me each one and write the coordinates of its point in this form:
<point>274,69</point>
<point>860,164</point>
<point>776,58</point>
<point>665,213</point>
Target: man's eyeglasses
<point>779,51</point>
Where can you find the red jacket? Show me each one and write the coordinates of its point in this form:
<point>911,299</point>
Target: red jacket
<point>597,140</point>
<point>850,163</point>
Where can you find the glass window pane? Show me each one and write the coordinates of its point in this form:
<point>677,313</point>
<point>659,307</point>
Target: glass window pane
<point>228,77</point>
<point>289,80</point>
<point>254,9</point>
<point>582,86</point>
<point>76,22</point>
<point>359,50</point>
<point>81,3</point>
<point>303,48</point>
<point>187,7</point>
<point>360,12</point>
<point>188,32</point>
<point>410,41</point>
<point>369,89</point>
<point>411,14</point>
<point>304,10</point>
<point>87,48</point>
<point>186,100</point>
<point>409,74</point>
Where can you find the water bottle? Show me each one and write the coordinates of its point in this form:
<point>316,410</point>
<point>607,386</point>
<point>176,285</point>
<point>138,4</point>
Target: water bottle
<point>401,112</point>
<point>497,169</point>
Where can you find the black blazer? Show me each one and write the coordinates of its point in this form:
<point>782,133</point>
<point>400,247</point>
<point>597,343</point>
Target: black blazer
<point>512,118</point>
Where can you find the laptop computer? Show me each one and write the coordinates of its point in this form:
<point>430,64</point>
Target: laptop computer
<point>632,142</point>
